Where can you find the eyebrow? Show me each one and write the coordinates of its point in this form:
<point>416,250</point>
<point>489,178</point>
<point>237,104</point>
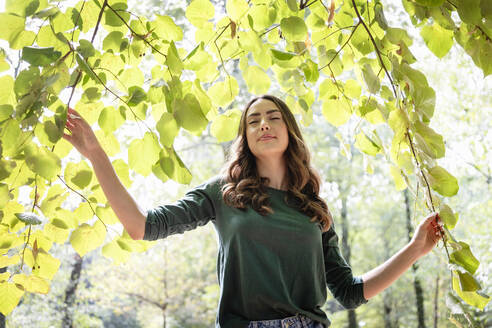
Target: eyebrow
<point>268,112</point>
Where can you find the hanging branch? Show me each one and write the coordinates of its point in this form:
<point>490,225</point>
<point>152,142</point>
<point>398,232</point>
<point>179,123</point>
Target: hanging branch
<point>99,17</point>
<point>376,48</point>
<point>378,52</point>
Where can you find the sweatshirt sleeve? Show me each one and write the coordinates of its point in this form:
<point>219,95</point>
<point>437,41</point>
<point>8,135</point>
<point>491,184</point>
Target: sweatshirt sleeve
<point>195,209</point>
<point>347,289</point>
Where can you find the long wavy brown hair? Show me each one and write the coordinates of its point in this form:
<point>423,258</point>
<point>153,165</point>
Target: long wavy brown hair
<point>244,187</point>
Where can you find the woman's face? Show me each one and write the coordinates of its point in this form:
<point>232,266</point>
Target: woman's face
<point>266,131</point>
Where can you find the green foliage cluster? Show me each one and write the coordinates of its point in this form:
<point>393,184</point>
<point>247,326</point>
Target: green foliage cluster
<point>357,63</point>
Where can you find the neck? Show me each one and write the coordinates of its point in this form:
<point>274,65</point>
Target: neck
<point>275,170</point>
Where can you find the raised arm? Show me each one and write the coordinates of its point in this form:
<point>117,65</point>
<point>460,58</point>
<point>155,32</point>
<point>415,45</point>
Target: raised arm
<point>425,238</point>
<point>124,206</point>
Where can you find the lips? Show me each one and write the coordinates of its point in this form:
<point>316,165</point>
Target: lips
<point>267,137</point>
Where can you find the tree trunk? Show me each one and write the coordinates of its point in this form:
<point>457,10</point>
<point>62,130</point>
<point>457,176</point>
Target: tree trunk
<point>386,312</point>
<point>436,302</point>
<point>419,292</point>
<point>352,317</point>
<point>164,282</point>
<point>2,317</point>
<point>67,321</point>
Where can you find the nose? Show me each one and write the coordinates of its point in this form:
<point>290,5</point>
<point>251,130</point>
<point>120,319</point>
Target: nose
<point>264,125</point>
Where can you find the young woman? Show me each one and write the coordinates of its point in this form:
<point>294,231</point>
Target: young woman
<point>278,250</point>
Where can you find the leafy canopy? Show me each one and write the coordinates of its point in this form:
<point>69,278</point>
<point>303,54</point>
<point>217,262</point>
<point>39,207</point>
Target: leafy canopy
<point>344,60</point>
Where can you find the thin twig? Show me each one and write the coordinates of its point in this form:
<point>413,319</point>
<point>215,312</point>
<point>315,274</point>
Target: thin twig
<point>88,202</point>
<point>427,186</point>
<point>341,48</point>
<point>105,3</point>
<point>376,48</point>
<point>220,55</point>
<point>142,37</point>
<point>269,29</point>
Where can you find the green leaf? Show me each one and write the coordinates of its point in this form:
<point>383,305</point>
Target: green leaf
<point>467,282</point>
<point>443,182</point>
<point>173,61</point>
<point>85,67</point>
<point>143,153</point>
<point>397,35</point>
<point>199,12</point>
<point>43,162</point>
<point>40,56</point>
<point>472,298</point>
<point>87,238</point>
<point>447,216</point>
<point>6,261</point>
<point>310,70</point>
<point>46,265</point>
<point>352,89</point>
<point>4,195</point>
<point>23,8</point>
<point>10,138</point>
<point>12,27</point>
<point>236,9</point>
<point>201,96</point>
<point>136,95</point>
<point>168,129</point>
<point>86,49</point>
<point>225,127</point>
<point>121,169</point>
<point>174,168</point>
<point>188,114</point>
<point>114,251</point>
<point>282,55</point>
<point>337,112</point>
<point>166,29</point>
<point>432,139</point>
<point>257,80</point>
<point>430,3</point>
<point>32,283</point>
<point>398,122</point>
<point>25,81</point>
<point>263,16</point>
<point>469,11</point>
<point>111,119</point>
<point>113,41</point>
<point>80,174</point>
<point>464,258</point>
<point>111,19</point>
<point>361,41</point>
<point>366,145</point>
<point>438,39</point>
<point>10,295</point>
<point>424,101</point>
<point>223,93</point>
<point>293,28</point>
<point>396,174</point>
<point>7,96</point>
<point>372,81</point>
<point>57,231</point>
<point>53,200</point>
<point>29,218</point>
<point>91,95</point>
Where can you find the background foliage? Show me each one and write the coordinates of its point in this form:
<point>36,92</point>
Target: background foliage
<point>152,83</point>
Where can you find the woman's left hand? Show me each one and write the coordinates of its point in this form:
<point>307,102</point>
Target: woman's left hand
<point>427,234</point>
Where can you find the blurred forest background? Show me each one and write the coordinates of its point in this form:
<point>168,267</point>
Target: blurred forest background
<point>174,283</point>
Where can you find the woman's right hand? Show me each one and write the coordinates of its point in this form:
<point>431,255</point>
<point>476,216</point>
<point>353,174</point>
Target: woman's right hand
<point>81,135</point>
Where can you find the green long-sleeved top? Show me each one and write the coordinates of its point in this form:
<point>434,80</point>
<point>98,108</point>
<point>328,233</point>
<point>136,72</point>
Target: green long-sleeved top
<point>268,267</point>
